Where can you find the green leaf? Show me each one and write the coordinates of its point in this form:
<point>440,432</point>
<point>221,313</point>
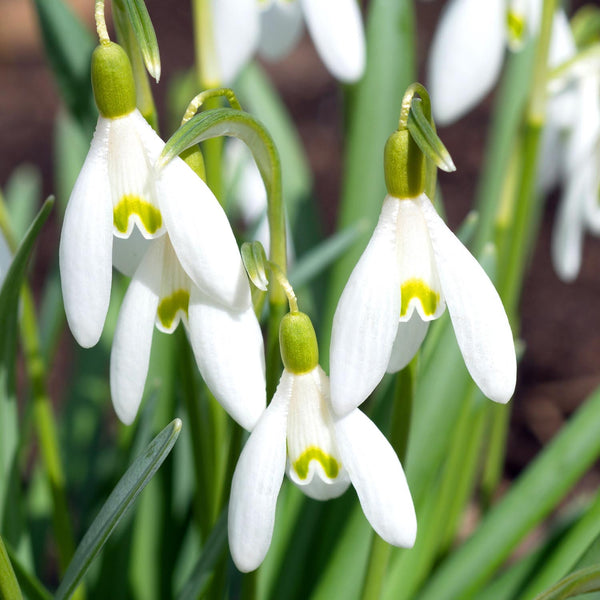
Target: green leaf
<point>535,493</point>
<point>255,262</point>
<point>140,22</point>
<point>69,46</point>
<point>427,139</point>
<point>9,587</point>
<point>372,116</point>
<point>22,195</point>
<point>581,582</point>
<point>137,476</point>
<point>30,585</point>
<point>211,552</point>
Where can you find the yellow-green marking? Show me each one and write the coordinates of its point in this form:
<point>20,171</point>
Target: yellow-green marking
<point>417,288</point>
<point>330,465</point>
<point>131,204</point>
<point>169,306</point>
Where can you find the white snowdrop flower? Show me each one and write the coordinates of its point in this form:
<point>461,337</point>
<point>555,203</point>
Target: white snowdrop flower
<point>412,268</point>
<point>299,434</point>
<point>273,27</point>
<point>193,274</point>
<point>468,50</point>
<point>114,193</point>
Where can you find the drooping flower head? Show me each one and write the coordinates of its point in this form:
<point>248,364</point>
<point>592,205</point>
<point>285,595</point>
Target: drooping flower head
<point>412,268</point>
<point>322,454</point>
<point>273,27</point>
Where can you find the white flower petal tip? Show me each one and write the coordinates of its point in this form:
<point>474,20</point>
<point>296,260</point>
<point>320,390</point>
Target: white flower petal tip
<point>228,347</point>
<point>366,318</point>
<point>408,340</point>
<point>378,478</point>
<point>480,323</point>
<point>86,245</point>
<point>202,236</point>
<point>130,354</point>
<point>281,27</point>
<point>256,483</point>
<point>336,28</point>
<point>466,56</point>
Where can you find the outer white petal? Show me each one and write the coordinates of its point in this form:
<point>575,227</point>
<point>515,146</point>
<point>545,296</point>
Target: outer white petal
<point>236,29</point>
<point>466,56</point>
<point>336,28</point>
<point>567,235</point>
<point>256,483</point>
<point>86,244</point>
<point>130,352</point>
<point>366,317</point>
<point>408,340</point>
<point>480,322</point>
<point>378,478</point>
<point>228,347</point>
<point>281,27</point>
<point>201,235</point>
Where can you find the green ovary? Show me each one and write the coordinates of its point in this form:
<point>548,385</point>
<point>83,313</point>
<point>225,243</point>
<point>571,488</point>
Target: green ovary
<point>168,307</point>
<point>417,288</point>
<point>330,465</point>
<point>516,25</point>
<point>130,205</point>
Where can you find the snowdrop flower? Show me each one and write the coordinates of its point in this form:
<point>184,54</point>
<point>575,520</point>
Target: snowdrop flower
<point>114,193</point>
<point>273,27</point>
<point>322,455</point>
<point>411,269</point>
<point>579,206</point>
<point>468,49</point>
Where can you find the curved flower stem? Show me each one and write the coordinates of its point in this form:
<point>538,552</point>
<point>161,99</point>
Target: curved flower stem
<point>411,91</point>
<point>101,23</point>
<point>285,284</point>
<point>197,102</point>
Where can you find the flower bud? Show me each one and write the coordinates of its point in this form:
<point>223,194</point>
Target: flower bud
<point>404,166</point>
<point>112,81</point>
<point>298,343</point>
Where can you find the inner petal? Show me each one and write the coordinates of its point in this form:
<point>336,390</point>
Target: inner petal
<point>132,182</point>
<point>420,287</point>
<point>175,289</point>
<point>314,462</point>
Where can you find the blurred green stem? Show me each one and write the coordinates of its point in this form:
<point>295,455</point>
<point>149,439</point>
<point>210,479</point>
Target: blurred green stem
<point>380,552</point>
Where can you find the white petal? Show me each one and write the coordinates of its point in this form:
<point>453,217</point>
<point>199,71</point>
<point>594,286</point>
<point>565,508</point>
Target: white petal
<point>314,463</point>
<point>567,235</point>
<point>480,322</point>
<point>127,253</point>
<point>201,235</point>
<point>281,26</point>
<point>256,484</point>
<point>336,28</point>
<point>228,347</point>
<point>236,31</point>
<point>134,147</point>
<point>130,354</point>
<point>366,317</point>
<point>466,56</point>
<point>85,244</point>
<point>408,340</point>
<point>377,475</point>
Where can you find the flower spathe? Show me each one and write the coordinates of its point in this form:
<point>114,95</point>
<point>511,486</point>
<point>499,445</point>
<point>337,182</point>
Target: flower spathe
<point>193,274</point>
<point>114,192</point>
<point>412,267</point>
<point>324,455</point>
<point>273,27</point>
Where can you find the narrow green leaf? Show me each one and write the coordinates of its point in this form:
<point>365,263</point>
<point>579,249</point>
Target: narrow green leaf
<point>140,22</point>
<point>29,584</point>
<point>427,139</point>
<point>69,46</point>
<point>211,552</point>
<point>9,587</point>
<point>581,582</point>
<point>137,476</point>
<point>535,493</point>
<point>22,195</point>
<point>255,262</point>
<point>373,116</point>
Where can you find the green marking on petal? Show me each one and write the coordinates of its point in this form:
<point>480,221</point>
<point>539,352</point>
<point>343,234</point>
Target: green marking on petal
<point>169,306</point>
<point>516,27</point>
<point>130,205</point>
<point>330,465</point>
<point>417,288</point>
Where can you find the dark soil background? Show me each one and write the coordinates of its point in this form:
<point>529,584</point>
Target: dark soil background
<point>560,323</point>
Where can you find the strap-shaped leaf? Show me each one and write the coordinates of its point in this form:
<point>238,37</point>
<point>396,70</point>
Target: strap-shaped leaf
<point>255,261</point>
<point>121,498</point>
<point>138,17</point>
<point>9,587</point>
<point>580,582</point>
<point>427,139</point>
